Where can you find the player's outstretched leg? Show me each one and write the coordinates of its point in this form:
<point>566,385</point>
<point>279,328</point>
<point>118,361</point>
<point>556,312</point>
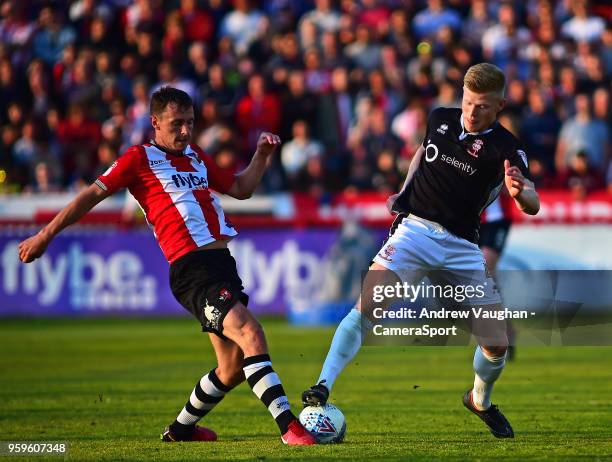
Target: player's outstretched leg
<point>488,367</point>
<point>344,347</point>
<point>207,393</point>
<point>348,336</point>
<point>242,327</point>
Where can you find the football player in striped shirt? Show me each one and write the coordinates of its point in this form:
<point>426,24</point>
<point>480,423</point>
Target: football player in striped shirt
<point>172,180</point>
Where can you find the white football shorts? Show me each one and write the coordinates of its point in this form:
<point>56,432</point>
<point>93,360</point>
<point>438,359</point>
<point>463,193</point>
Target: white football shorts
<point>420,248</point>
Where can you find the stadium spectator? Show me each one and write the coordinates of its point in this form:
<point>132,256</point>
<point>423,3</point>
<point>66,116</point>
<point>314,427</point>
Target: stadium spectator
<point>79,137</point>
<point>331,56</point>
<point>216,88</point>
<point>317,79</point>
<point>427,22</point>
<point>90,53</point>
<point>146,48</point>
<point>211,132</point>
<point>477,23</point>
<point>258,110</point>
<point>336,111</point>
<point>16,31</point>
<point>582,133</point>
<point>11,90</point>
<point>107,154</point>
<point>323,16</point>
<point>244,25</point>
<point>386,178</point>
<point>601,106</point>
<point>43,182</point>
<point>505,44</point>
<point>606,48</point>
<point>539,128</point>
<point>199,25</point>
<point>582,27</point>
<point>138,119</point>
<point>197,65</point>
<point>168,76</point>
<point>297,104</point>
<point>362,52</point>
<point>174,42</point>
<point>566,91</point>
<point>375,15</point>
<point>52,37</point>
<point>581,178</point>
<point>410,126</point>
<point>296,153</point>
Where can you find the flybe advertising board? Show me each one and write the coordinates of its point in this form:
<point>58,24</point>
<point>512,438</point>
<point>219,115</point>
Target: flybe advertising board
<point>125,272</point>
<point>122,273</point>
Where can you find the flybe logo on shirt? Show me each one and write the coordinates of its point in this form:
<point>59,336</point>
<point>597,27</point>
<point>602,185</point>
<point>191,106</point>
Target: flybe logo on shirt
<point>191,181</point>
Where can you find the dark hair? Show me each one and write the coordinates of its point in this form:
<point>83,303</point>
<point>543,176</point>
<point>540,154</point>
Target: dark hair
<point>167,95</point>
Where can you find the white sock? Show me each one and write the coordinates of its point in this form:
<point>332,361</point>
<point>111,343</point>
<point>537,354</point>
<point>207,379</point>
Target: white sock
<point>488,369</point>
<point>344,347</point>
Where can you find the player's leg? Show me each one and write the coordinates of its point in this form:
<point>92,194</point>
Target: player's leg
<point>467,268</point>
<point>493,236</point>
<point>410,248</point>
<point>208,392</point>
<point>489,362</point>
<point>240,326</point>
<point>207,284</point>
<point>348,337</point>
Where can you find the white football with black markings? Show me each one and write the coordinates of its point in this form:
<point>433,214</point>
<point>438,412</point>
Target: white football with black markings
<point>325,423</point>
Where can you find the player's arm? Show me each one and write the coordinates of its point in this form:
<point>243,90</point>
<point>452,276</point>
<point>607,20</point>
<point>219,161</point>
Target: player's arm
<point>521,189</point>
<point>414,164</point>
<point>35,246</point>
<point>247,181</point>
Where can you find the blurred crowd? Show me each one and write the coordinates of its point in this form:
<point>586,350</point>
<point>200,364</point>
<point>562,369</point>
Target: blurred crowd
<point>348,85</point>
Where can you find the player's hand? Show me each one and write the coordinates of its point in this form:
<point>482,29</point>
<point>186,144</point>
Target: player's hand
<point>514,179</point>
<point>267,143</point>
<point>32,248</point>
<point>390,201</point>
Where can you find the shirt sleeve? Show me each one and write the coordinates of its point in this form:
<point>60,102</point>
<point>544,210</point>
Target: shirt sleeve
<point>518,158</point>
<point>429,124</point>
<point>123,172</point>
<point>219,179</point>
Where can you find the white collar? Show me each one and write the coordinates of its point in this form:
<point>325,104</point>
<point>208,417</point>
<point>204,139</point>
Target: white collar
<point>464,134</point>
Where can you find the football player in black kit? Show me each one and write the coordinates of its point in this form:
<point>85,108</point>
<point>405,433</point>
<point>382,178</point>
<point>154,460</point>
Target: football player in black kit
<point>465,160</point>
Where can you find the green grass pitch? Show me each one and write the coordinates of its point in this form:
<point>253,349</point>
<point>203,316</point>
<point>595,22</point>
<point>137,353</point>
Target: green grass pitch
<point>108,387</point>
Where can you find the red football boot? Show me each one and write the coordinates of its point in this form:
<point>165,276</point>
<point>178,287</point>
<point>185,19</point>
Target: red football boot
<point>199,434</point>
<point>297,435</point>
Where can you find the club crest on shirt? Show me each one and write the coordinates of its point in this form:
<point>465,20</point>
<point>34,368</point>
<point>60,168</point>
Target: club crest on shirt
<point>387,252</point>
<point>224,295</point>
<point>476,146</point>
<point>442,129</point>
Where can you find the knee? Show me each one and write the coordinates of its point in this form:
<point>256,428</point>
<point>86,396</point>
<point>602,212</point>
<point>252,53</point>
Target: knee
<point>494,351</point>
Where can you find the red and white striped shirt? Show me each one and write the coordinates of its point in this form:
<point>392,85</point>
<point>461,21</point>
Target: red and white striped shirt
<point>173,191</point>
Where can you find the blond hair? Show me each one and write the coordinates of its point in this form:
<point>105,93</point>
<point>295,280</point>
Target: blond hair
<point>485,78</point>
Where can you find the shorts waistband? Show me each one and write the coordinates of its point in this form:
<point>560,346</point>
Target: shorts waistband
<point>432,224</point>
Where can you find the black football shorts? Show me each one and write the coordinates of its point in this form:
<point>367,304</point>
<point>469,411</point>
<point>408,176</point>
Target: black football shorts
<point>493,234</point>
<point>207,284</point>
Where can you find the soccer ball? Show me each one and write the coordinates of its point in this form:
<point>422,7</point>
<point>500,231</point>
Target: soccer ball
<point>325,423</point>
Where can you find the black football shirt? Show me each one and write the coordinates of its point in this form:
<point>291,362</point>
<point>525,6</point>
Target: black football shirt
<point>460,173</point>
